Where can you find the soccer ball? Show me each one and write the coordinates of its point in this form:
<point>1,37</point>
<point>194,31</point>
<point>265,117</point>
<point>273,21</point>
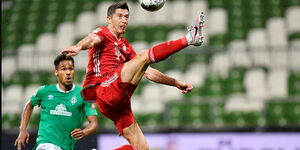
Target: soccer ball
<point>152,5</point>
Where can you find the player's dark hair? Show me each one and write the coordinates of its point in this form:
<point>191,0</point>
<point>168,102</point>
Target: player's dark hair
<point>62,57</point>
<point>112,8</point>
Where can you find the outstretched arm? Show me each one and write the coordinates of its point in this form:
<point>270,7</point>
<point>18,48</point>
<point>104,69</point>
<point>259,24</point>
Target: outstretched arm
<point>158,77</point>
<point>91,128</point>
<point>23,137</point>
<point>86,43</point>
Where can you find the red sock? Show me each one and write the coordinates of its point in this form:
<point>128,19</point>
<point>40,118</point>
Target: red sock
<point>164,50</point>
<point>126,147</point>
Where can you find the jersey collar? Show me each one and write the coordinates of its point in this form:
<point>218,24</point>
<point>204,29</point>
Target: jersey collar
<point>60,90</point>
<point>118,39</point>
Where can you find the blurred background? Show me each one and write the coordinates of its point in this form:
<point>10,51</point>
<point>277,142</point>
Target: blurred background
<point>246,77</point>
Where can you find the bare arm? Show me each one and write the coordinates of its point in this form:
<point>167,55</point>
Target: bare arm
<point>23,137</point>
<point>158,77</point>
<point>86,43</point>
<point>91,128</point>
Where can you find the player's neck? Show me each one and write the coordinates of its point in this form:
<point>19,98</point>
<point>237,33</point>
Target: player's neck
<point>65,88</point>
<point>113,32</point>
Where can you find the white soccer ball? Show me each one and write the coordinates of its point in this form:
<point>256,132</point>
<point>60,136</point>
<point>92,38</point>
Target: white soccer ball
<point>152,5</point>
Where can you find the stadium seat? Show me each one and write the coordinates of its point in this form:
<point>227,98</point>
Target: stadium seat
<point>255,83</point>
<point>85,24</point>
<point>195,6</point>
<point>293,58</point>
<point>141,16</point>
<point>65,36</point>
<point>170,94</point>
<point>195,74</point>
<point>81,60</point>
<point>257,38</point>
<point>179,18</point>
<point>151,93</point>
<point>29,91</point>
<point>8,67</point>
<point>279,58</point>
<point>217,23</point>
<point>292,17</point>
<point>277,33</point>
<point>137,103</point>
<point>258,45</point>
<point>45,51</point>
<point>154,106</point>
<point>13,99</point>
<point>238,54</point>
<point>236,102</point>
<point>45,42</point>
<point>2,97</point>
<point>139,46</point>
<point>220,64</point>
<point>26,58</point>
<point>175,34</point>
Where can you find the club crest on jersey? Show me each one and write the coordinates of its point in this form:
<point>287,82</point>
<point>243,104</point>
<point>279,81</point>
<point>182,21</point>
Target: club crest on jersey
<point>50,96</point>
<point>61,110</point>
<point>73,100</point>
<point>124,48</point>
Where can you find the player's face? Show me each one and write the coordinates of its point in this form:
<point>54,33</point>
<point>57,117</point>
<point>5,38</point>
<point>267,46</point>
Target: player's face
<point>119,21</point>
<point>65,72</point>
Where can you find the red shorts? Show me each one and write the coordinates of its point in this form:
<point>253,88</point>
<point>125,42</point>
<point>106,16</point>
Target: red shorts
<point>113,99</point>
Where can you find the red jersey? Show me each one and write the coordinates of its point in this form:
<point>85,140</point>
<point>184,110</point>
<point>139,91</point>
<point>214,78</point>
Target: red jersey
<point>106,57</point>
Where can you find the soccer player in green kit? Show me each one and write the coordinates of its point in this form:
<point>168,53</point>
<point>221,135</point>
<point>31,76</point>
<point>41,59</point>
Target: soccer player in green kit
<point>62,112</point>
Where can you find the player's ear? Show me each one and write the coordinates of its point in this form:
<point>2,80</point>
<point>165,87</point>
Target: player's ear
<point>56,72</point>
<point>108,19</point>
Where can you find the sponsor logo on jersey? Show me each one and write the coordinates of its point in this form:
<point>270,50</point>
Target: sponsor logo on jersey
<point>60,110</point>
<point>96,30</point>
<point>50,96</point>
<point>93,105</point>
<point>73,100</point>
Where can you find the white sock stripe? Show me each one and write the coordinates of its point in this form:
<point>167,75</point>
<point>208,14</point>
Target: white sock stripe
<point>152,59</point>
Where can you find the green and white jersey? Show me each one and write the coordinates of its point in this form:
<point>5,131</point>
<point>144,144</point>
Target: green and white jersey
<point>61,112</point>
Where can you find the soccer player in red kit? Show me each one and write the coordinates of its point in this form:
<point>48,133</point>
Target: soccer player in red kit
<point>114,70</point>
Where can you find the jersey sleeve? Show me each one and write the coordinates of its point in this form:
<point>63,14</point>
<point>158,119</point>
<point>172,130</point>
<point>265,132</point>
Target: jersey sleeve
<point>90,109</point>
<point>36,97</point>
<point>99,33</point>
